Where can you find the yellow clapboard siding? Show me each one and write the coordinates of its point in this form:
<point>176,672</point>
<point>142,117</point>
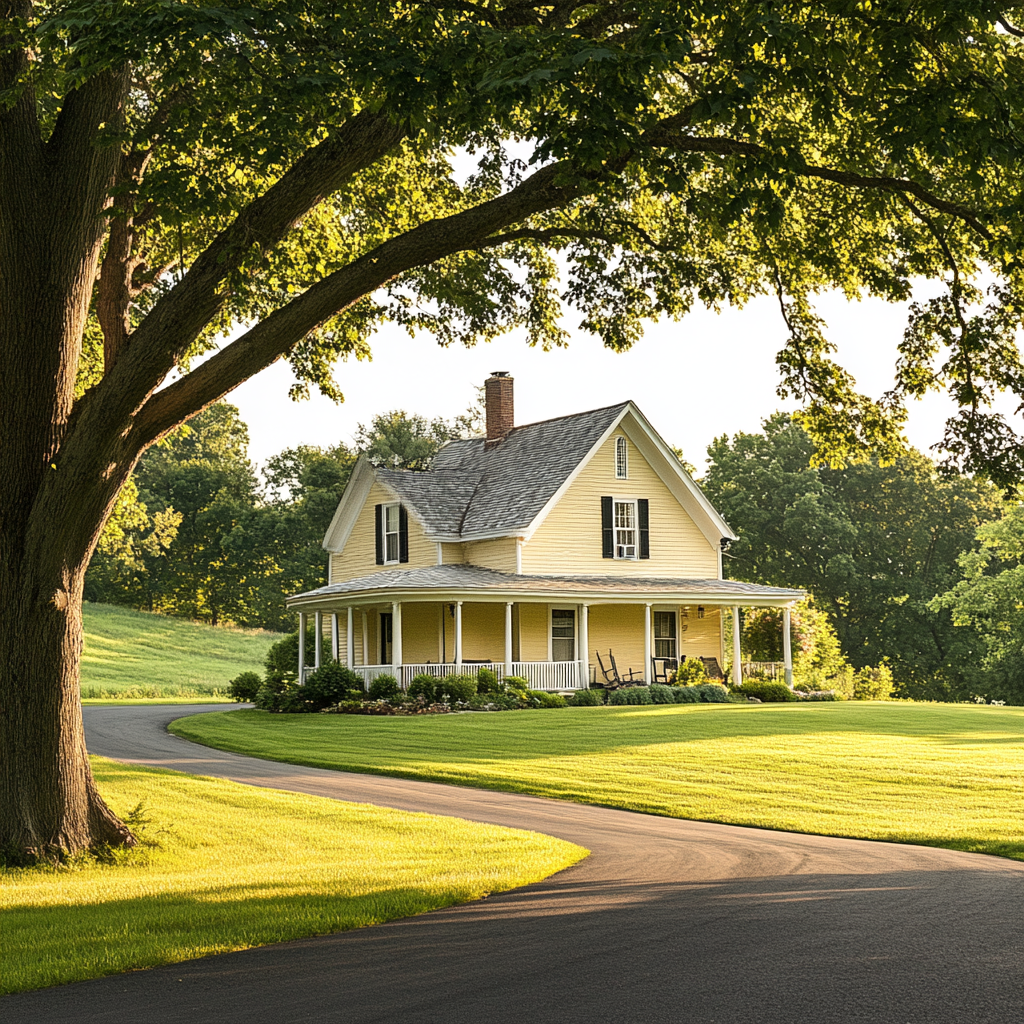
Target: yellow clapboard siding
<point>453,554</point>
<point>421,638</point>
<point>497,554</point>
<point>569,539</point>
<point>702,638</point>
<point>360,553</point>
<point>483,632</point>
<point>533,632</point>
<point>619,628</point>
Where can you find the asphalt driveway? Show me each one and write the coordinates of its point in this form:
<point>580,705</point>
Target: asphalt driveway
<point>666,921</point>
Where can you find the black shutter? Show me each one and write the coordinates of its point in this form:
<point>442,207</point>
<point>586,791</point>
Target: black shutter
<point>643,515</point>
<point>403,534</point>
<point>607,534</point>
<point>379,520</point>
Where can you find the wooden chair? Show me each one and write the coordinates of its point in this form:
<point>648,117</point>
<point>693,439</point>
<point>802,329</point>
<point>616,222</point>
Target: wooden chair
<point>661,668</point>
<point>713,669</point>
<point>615,670</point>
<point>610,677</point>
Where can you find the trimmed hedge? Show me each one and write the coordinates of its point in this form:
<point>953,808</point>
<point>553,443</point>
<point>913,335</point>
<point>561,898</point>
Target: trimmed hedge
<point>587,699</point>
<point>630,695</point>
<point>767,690</point>
<point>662,694</point>
<point>543,699</point>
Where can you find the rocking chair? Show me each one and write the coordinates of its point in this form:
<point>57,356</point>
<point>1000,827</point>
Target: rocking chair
<point>610,678</point>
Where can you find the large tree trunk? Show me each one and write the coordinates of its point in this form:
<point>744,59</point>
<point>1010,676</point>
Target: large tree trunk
<point>49,805</point>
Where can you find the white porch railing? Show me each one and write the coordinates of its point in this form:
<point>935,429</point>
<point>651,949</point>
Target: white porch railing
<point>370,672</point>
<point>552,675</point>
<point>771,669</point>
<point>435,669</point>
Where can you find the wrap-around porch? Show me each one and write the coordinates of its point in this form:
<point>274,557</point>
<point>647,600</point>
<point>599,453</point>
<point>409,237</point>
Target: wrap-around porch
<point>555,645</point>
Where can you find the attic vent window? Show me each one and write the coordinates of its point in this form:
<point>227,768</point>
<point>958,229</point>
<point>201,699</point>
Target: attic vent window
<point>621,459</point>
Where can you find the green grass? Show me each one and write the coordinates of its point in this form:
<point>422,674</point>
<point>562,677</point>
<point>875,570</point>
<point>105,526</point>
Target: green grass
<point>243,867</point>
<point>941,775</point>
<point>130,654</point>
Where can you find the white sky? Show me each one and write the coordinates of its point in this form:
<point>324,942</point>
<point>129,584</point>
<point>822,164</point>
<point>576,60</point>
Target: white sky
<point>696,379</point>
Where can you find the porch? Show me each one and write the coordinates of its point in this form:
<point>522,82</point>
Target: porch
<point>556,645</point>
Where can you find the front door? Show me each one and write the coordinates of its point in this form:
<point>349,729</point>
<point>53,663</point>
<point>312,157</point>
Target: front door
<point>386,623</point>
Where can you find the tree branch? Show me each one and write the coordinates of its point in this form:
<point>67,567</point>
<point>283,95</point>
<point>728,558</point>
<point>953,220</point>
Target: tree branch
<point>179,317</point>
<point>286,327</point>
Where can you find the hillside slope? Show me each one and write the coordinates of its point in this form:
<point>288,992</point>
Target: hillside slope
<point>138,654</point>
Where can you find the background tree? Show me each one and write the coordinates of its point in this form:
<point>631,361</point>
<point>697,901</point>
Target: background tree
<point>988,602</point>
<point>168,169</point>
<point>874,544</point>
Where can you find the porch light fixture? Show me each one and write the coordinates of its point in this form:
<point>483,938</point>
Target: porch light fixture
<point>700,611</point>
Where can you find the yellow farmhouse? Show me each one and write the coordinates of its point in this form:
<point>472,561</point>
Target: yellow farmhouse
<point>571,551</point>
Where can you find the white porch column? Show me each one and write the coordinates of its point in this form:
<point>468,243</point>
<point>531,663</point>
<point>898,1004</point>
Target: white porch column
<point>350,647</point>
<point>647,643</point>
<point>508,638</point>
<point>366,638</point>
<point>787,648</point>
<point>335,641</point>
<point>302,646</point>
<point>319,642</point>
<point>584,650</point>
<point>737,674</point>
<point>396,634</point>
<point>458,632</point>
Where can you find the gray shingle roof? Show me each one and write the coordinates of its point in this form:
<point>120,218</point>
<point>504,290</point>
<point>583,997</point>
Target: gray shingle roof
<point>475,577</point>
<point>473,487</point>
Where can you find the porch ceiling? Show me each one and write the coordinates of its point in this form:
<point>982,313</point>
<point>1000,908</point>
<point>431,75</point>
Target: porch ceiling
<point>476,583</point>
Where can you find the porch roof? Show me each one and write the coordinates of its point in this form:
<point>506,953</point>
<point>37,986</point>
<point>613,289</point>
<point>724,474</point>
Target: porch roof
<point>442,582</point>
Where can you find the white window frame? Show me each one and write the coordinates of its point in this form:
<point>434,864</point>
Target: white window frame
<point>575,628</point>
<point>616,503</point>
<point>396,533</point>
<point>621,458</point>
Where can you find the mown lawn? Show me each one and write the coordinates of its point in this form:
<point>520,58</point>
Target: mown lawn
<point>940,775</point>
<point>242,867</point>
<point>137,654</point>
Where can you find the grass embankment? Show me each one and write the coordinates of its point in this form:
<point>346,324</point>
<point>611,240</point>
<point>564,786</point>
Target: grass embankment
<point>133,655</point>
<point>940,775</point>
<point>243,867</point>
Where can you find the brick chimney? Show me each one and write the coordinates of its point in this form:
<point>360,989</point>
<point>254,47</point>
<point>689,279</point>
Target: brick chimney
<point>498,403</point>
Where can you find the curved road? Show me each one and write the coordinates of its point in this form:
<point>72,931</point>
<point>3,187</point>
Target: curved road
<point>667,921</point>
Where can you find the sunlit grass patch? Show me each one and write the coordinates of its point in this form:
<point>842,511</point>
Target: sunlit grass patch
<point>138,655</point>
<point>242,867</point>
<point>942,775</point>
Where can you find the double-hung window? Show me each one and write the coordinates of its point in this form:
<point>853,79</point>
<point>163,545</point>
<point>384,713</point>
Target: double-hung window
<point>563,634</point>
<point>625,529</point>
<point>391,529</point>
<point>665,635</point>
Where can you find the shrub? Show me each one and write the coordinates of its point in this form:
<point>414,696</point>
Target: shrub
<point>383,687</point>
<point>330,683</point>
<point>686,694</point>
<point>712,693</point>
<point>691,672</point>
<point>873,683</point>
<point>495,702</point>
<point>487,681</point>
<point>543,699</point>
<point>767,690</point>
<point>282,660</point>
<point>662,694</point>
<point>821,695</point>
<point>424,687</point>
<point>455,688</point>
<point>586,699</point>
<point>244,688</point>
<point>280,695</point>
<point>516,683</point>
<point>630,695</point>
